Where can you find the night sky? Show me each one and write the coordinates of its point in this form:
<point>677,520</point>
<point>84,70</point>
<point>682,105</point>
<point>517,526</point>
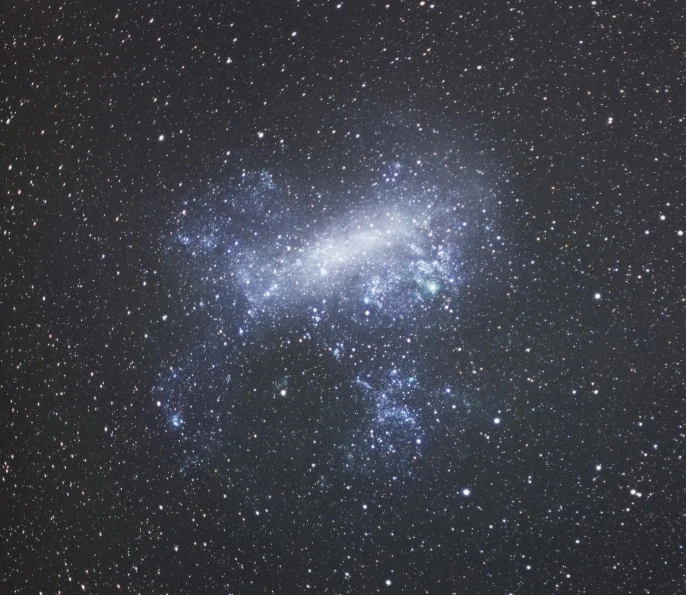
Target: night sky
<point>342,296</point>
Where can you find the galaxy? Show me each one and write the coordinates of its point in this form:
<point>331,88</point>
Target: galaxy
<point>343,297</point>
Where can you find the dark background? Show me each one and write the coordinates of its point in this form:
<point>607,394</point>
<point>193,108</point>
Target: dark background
<point>509,102</point>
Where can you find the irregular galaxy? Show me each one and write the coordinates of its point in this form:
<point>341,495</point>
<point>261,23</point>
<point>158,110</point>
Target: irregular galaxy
<point>370,286</point>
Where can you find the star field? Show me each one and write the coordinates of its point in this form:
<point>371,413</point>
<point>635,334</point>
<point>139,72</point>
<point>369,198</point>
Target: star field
<point>343,297</point>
